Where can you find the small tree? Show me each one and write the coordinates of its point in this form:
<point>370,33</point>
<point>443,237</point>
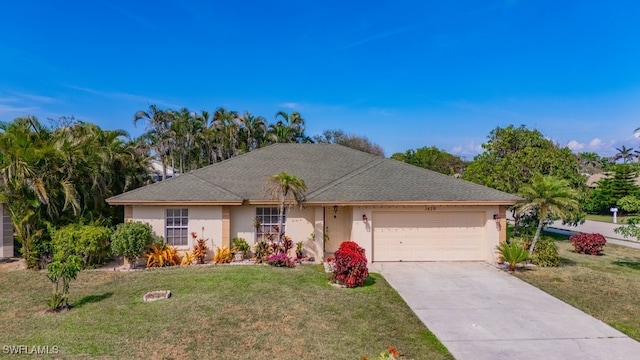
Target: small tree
<point>131,239</point>
<point>547,197</point>
<point>288,190</point>
<point>60,273</point>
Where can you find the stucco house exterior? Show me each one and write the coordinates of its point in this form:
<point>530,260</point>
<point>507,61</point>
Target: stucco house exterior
<point>395,211</point>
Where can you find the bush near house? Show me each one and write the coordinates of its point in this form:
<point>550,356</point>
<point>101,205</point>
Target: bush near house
<point>131,240</point>
<point>546,253</point>
<point>89,242</point>
<point>590,244</point>
<point>350,265</point>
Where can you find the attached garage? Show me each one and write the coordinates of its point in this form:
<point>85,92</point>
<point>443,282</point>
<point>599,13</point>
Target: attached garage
<point>428,236</point>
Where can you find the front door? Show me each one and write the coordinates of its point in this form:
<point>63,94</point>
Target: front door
<point>337,226</point>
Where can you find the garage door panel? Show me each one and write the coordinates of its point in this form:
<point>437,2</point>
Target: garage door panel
<point>419,236</point>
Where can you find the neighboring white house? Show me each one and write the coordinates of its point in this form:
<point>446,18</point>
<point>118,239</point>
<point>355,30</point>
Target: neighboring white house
<point>6,234</point>
<point>157,170</point>
<point>396,211</point>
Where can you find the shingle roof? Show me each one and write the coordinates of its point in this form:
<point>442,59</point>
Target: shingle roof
<point>333,174</point>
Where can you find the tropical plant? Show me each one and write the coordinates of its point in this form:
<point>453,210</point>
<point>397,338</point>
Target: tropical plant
<point>89,242</point>
<point>199,248</point>
<point>546,254</point>
<point>280,260</point>
<point>350,265</point>
<point>434,159</point>
<point>187,259</point>
<point>512,254</point>
<point>547,197</point>
<point>624,153</point>
<point>160,255</point>
<point>261,251</point>
<point>131,239</point>
<point>222,255</point>
<point>288,190</point>
<point>590,244</point>
<point>299,246</point>
<point>240,244</point>
<point>60,273</point>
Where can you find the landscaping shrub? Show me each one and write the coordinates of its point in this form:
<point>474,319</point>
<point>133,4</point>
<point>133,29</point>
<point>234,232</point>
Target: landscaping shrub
<point>350,265</point>
<point>199,248</point>
<point>591,244</point>
<point>524,240</point>
<point>546,253</point>
<point>60,273</point>
<point>89,242</point>
<point>261,251</point>
<point>161,255</point>
<point>222,255</point>
<point>131,239</point>
<point>512,254</point>
<point>281,260</point>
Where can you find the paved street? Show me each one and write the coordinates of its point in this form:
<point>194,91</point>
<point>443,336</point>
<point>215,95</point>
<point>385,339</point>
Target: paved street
<point>603,228</point>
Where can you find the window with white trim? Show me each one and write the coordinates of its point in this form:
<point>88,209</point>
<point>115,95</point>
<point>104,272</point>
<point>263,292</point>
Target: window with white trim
<point>269,223</point>
<point>177,227</point>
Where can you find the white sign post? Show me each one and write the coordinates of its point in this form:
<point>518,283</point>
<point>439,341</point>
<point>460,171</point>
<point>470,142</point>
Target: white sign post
<point>615,214</point>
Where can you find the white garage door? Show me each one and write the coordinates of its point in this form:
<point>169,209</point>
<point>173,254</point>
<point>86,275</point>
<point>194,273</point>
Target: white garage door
<point>420,236</point>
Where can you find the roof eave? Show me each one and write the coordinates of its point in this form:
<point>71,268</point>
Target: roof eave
<point>173,202</point>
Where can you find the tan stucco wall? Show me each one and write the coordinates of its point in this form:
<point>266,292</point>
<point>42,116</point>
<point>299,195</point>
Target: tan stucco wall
<point>242,223</point>
<point>362,232</point>
<point>205,221</point>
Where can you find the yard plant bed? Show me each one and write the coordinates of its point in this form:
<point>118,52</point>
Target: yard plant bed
<point>605,286</point>
<point>214,312</point>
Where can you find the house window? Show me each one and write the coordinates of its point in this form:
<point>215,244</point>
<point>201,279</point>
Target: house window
<point>177,227</point>
<point>268,222</point>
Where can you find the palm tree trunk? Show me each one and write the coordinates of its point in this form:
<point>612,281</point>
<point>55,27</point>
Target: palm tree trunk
<point>535,237</point>
<point>280,222</point>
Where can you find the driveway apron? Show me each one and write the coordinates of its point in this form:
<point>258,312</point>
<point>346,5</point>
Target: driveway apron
<point>480,312</point>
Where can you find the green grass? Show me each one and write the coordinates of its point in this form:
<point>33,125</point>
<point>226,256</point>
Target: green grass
<point>605,287</point>
<point>216,312</point>
<point>607,218</point>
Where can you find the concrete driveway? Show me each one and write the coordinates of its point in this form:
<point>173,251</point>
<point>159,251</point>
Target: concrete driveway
<point>480,312</point>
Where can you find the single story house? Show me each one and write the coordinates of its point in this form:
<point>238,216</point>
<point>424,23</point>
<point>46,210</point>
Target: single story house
<point>395,211</point>
<point>6,233</point>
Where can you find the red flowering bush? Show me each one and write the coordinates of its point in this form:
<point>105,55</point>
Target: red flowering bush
<point>591,244</point>
<point>350,268</point>
<point>280,260</point>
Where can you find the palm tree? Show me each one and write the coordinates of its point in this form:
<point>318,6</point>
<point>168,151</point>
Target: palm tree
<point>590,162</point>
<point>159,134</point>
<point>289,127</point>
<point>624,153</point>
<point>252,131</point>
<point>547,197</point>
<point>225,124</point>
<point>288,190</point>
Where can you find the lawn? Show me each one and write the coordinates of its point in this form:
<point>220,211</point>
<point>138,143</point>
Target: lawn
<point>223,312</point>
<point>607,218</point>
<point>606,286</point>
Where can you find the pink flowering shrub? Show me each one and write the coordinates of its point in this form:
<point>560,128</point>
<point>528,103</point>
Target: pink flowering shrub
<point>281,260</point>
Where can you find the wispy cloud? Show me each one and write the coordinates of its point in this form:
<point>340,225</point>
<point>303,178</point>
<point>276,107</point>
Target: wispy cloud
<point>467,151</point>
<point>21,104</point>
<point>125,96</point>
<point>140,20</point>
<point>291,105</point>
<point>379,36</point>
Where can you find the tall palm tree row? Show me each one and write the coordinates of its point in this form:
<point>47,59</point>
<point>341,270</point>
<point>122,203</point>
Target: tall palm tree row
<point>54,176</point>
<point>187,140</point>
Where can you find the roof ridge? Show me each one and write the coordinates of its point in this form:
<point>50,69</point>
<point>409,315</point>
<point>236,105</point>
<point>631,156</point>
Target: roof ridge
<point>371,164</point>
<point>214,186</point>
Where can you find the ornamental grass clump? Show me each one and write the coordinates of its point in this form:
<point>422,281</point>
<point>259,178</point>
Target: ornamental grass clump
<point>350,265</point>
<point>590,244</point>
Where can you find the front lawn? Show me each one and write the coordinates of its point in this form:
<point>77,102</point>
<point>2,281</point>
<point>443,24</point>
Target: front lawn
<point>216,312</point>
<point>607,218</point>
<point>606,286</point>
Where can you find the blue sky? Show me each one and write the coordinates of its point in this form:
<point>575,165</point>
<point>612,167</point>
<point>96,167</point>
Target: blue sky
<point>406,74</point>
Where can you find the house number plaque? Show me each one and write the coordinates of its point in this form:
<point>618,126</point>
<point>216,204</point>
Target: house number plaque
<point>429,208</point>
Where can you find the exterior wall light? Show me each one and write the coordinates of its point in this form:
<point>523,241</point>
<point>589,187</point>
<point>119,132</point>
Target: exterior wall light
<point>364,218</point>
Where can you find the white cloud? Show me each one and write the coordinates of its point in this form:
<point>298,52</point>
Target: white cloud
<point>595,143</point>
<point>291,105</point>
<point>575,146</point>
<point>470,150</point>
